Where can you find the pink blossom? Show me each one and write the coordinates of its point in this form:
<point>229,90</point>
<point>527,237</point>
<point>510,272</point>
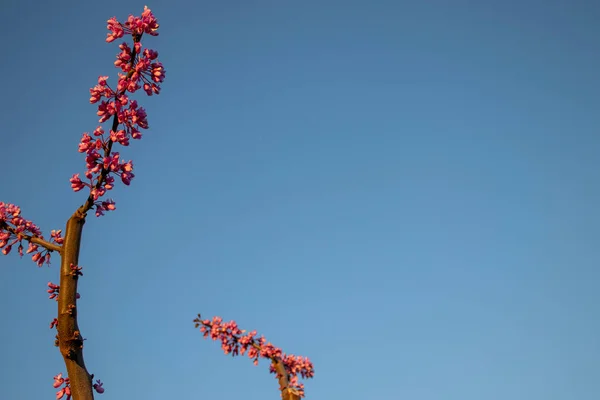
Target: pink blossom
<point>99,131</point>
<point>76,270</point>
<point>14,229</point>
<point>32,247</point>
<point>150,54</point>
<point>126,177</point>
<point>54,290</point>
<point>62,392</point>
<point>115,28</point>
<point>109,205</point>
<point>43,259</point>
<point>123,57</point>
<point>76,183</point>
<point>56,236</point>
<point>106,110</point>
<point>158,72</point>
<point>150,23</point>
<point>98,386</point>
<point>85,143</point>
<point>100,90</point>
<point>58,380</point>
<point>120,136</point>
<point>109,182</point>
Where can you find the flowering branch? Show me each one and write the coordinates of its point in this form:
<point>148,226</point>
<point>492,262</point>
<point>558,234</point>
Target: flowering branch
<point>29,238</point>
<point>14,229</point>
<point>39,241</point>
<point>286,367</point>
<point>100,170</point>
<point>139,69</point>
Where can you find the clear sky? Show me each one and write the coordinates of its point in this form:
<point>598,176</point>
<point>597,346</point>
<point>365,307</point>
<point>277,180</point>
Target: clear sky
<point>404,191</point>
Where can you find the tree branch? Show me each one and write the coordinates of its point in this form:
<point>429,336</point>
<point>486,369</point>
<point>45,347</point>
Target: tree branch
<point>287,393</point>
<point>235,342</point>
<point>33,239</point>
<point>49,246</point>
<point>70,341</point>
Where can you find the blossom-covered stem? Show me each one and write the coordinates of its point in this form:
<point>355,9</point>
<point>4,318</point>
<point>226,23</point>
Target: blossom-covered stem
<point>236,341</point>
<point>33,239</point>
<point>70,341</point>
<point>89,203</point>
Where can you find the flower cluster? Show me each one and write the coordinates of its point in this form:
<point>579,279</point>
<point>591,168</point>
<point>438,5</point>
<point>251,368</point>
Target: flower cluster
<point>66,390</point>
<point>135,26</point>
<point>139,69</point>
<point>238,342</point>
<point>98,386</point>
<point>14,229</point>
<point>53,290</point>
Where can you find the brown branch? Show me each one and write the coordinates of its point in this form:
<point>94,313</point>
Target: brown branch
<point>287,393</point>
<point>49,246</point>
<point>33,239</point>
<point>70,341</point>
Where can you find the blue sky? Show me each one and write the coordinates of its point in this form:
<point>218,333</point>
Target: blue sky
<point>405,192</point>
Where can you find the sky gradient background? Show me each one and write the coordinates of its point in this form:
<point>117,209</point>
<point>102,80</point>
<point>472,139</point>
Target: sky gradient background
<point>405,192</point>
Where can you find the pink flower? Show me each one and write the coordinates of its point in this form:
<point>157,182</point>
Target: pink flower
<point>99,131</point>
<point>106,110</point>
<point>100,90</point>
<point>115,28</point>
<point>56,236</point>
<point>58,380</point>
<point>109,182</point>
<point>98,386</point>
<point>76,183</point>
<point>150,54</point>
<point>123,57</point>
<point>42,259</point>
<point>126,177</point>
<point>158,72</point>
<point>62,392</point>
<point>54,290</point>
<point>32,247</point>
<point>109,205</point>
